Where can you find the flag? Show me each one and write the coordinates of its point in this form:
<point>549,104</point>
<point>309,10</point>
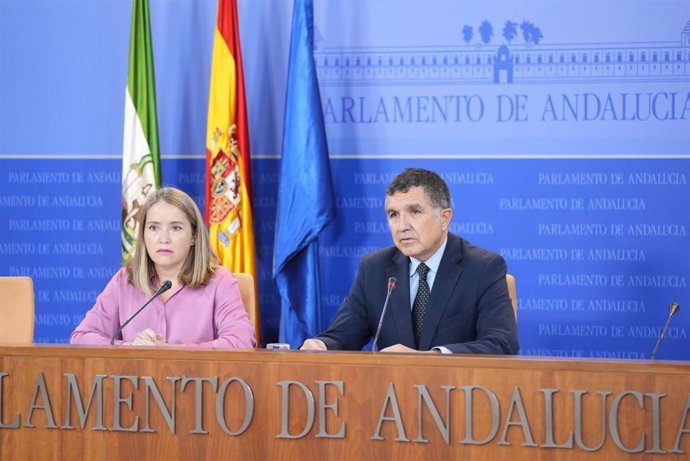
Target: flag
<point>228,167</point>
<point>306,203</point>
<point>141,171</point>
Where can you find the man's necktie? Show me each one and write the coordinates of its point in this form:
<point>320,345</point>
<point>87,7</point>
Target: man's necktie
<point>421,300</point>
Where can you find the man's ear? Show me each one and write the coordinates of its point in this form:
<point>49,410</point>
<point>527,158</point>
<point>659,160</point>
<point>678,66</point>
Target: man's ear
<point>446,215</point>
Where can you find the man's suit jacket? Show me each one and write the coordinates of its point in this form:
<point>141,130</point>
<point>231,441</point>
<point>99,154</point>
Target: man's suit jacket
<point>469,311</point>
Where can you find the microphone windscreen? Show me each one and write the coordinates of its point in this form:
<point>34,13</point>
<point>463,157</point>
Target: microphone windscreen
<point>165,286</point>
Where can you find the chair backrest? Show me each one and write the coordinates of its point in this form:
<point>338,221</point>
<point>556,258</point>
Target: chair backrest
<point>16,310</point>
<point>512,292</point>
<point>246,282</point>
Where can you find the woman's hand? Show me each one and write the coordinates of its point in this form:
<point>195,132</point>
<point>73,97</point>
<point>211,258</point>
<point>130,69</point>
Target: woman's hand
<point>148,337</point>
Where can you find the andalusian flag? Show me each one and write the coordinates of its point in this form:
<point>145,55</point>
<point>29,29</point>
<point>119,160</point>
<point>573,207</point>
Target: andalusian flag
<point>228,172</point>
<point>141,172</point>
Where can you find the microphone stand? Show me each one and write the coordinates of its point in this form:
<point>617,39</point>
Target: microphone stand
<point>164,287</point>
<point>672,311</point>
<point>392,283</point>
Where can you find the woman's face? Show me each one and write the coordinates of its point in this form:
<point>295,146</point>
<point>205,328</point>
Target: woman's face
<point>168,238</point>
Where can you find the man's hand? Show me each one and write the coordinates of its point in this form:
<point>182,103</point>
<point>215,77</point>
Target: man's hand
<point>401,348</point>
<point>313,345</point>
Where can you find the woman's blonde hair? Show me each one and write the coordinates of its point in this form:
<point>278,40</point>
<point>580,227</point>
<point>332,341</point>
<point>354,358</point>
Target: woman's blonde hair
<point>201,262</point>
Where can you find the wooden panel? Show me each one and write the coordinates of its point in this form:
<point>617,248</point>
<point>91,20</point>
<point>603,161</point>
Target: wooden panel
<point>515,428</point>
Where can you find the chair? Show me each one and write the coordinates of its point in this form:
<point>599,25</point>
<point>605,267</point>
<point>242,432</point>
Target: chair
<point>246,282</point>
<point>512,292</point>
<point>16,310</point>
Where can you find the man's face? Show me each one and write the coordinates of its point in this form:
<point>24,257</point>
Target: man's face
<point>417,228</point>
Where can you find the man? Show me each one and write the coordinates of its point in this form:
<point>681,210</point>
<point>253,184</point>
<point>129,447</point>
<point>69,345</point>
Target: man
<point>452,297</point>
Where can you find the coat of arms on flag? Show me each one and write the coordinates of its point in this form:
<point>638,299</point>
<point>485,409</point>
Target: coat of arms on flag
<point>137,183</point>
<point>225,183</point>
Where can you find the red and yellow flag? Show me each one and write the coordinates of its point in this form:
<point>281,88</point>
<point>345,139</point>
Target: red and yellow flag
<point>228,169</point>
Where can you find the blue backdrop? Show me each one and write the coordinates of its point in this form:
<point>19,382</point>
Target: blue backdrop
<point>562,129</point>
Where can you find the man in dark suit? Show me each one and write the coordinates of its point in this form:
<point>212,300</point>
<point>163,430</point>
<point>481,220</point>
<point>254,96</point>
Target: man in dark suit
<point>452,297</point>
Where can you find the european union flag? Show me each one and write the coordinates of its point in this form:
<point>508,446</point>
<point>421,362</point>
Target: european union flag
<point>306,203</point>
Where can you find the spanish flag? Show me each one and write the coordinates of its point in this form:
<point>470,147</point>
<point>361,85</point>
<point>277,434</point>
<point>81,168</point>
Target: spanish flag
<point>228,169</point>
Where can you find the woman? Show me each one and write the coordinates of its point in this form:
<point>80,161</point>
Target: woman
<point>203,308</point>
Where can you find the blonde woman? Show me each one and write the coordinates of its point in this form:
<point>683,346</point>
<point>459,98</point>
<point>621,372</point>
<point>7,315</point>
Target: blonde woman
<point>203,308</point>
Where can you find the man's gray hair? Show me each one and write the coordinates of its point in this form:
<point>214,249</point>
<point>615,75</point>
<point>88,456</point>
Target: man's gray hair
<point>435,188</point>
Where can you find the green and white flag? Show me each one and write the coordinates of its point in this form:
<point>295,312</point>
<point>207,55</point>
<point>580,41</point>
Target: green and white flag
<point>141,172</point>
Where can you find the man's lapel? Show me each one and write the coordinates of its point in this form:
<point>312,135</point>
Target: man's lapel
<point>446,279</point>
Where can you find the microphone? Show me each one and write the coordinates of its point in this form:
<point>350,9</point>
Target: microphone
<point>164,287</point>
<point>392,284</point>
<point>673,308</point>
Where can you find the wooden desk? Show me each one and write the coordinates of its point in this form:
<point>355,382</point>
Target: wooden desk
<point>264,405</point>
